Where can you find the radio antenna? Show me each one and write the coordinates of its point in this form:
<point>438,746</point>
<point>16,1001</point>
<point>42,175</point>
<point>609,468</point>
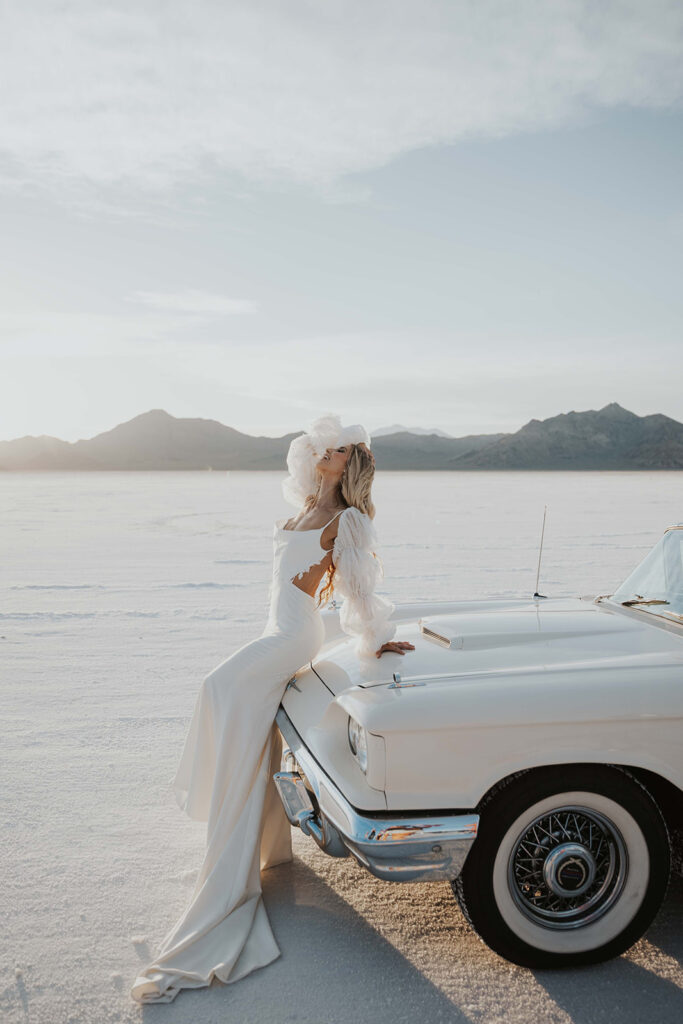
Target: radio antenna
<point>540,552</point>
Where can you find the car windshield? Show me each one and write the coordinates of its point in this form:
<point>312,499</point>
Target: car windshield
<point>656,586</point>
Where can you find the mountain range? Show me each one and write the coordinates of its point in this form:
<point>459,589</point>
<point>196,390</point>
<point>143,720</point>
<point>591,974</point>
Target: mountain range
<point>609,438</point>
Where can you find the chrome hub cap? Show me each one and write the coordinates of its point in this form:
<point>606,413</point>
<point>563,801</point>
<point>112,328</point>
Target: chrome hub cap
<point>567,868</point>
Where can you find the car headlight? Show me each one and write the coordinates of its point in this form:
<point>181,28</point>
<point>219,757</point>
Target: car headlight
<point>358,742</point>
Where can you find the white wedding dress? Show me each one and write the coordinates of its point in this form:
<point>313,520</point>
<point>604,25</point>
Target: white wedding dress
<point>232,749</point>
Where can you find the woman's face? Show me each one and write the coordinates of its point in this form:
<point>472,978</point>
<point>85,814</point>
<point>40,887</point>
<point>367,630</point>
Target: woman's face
<point>333,461</point>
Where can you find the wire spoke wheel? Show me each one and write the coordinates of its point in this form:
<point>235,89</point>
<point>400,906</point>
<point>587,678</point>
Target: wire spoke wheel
<point>568,867</point>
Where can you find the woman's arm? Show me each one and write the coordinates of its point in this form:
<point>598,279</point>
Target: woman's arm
<point>364,614</point>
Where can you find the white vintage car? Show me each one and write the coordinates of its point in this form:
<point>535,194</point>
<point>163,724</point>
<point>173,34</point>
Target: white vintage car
<point>528,751</point>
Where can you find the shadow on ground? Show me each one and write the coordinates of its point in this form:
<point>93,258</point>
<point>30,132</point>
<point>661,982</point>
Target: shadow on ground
<point>643,984</point>
<point>358,949</point>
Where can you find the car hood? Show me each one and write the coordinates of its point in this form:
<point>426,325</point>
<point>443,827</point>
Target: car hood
<point>506,639</point>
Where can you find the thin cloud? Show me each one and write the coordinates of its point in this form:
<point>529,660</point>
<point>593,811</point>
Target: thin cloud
<point>56,333</point>
<point>151,97</point>
<point>195,301</point>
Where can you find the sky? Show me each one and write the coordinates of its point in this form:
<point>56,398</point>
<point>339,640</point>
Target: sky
<point>452,215</point>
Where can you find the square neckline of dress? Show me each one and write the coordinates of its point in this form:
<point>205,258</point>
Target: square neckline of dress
<point>316,530</point>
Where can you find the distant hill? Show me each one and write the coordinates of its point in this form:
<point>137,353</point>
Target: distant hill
<point>610,438</point>
<point>153,440</point>
<point>397,428</point>
<point>418,451</point>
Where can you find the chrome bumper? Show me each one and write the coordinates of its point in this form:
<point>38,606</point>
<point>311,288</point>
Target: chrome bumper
<point>397,847</point>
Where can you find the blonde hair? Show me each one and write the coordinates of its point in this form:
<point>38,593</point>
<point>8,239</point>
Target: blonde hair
<point>355,486</point>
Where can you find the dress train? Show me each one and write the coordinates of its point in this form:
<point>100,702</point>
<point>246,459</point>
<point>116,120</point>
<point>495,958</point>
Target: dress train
<point>225,777</point>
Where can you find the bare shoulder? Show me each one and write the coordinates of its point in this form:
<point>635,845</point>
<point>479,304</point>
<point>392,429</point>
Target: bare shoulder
<point>332,528</point>
<point>350,516</point>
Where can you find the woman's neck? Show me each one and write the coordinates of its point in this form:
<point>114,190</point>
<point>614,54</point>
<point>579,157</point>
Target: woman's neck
<point>330,498</point>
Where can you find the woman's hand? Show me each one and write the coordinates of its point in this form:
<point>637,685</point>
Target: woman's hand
<point>399,646</point>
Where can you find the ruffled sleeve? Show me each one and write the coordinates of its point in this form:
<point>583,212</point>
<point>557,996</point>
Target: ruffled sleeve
<point>363,614</point>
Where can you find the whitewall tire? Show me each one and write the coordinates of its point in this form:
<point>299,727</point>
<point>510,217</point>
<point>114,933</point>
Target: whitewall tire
<point>570,866</point>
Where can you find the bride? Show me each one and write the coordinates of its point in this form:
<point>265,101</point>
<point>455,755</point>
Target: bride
<point>233,746</point>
